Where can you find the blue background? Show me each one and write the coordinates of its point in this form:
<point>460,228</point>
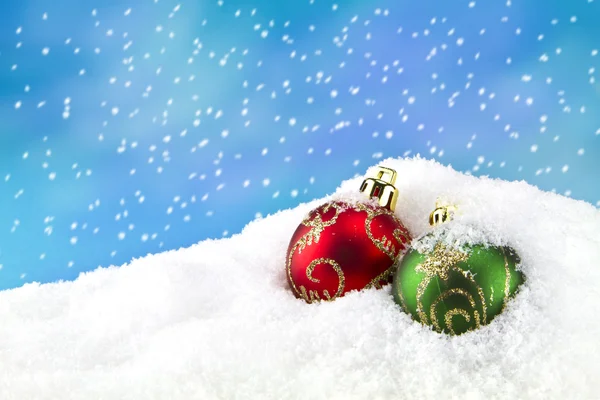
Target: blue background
<point>302,93</point>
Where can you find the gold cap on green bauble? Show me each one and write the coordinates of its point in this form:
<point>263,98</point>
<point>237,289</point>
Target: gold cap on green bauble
<point>442,213</point>
<point>381,187</point>
<point>455,290</point>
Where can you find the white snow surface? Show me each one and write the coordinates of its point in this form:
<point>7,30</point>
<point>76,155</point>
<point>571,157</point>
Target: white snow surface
<point>218,321</point>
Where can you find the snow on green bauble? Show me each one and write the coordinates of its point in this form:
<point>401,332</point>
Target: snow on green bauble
<point>455,288</point>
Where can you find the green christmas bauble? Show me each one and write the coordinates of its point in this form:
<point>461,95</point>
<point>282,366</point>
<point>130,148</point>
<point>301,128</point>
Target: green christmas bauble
<point>456,290</point>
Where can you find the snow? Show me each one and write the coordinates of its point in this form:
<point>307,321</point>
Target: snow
<point>217,320</point>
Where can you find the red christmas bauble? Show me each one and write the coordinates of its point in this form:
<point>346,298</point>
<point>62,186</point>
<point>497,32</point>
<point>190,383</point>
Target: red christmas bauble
<point>341,247</point>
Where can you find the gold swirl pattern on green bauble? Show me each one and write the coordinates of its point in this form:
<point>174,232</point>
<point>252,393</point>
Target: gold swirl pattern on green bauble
<point>457,290</point>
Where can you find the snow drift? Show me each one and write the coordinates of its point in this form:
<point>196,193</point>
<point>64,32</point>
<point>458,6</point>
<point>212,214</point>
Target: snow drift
<point>217,320</point>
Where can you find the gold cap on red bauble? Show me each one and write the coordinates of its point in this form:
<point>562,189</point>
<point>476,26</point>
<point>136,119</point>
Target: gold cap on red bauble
<point>381,187</point>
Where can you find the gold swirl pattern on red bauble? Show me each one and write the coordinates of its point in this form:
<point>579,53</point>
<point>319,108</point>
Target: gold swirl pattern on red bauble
<point>383,244</point>
<point>317,226</point>
<point>313,295</point>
